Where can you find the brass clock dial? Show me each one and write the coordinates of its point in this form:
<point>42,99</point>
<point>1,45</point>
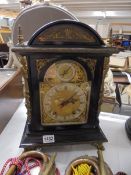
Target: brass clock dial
<point>64,94</point>
<point>65,102</point>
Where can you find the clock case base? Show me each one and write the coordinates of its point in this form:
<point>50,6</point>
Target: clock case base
<point>79,136</point>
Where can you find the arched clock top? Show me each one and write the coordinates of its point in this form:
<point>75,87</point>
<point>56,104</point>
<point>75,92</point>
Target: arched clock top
<point>66,32</point>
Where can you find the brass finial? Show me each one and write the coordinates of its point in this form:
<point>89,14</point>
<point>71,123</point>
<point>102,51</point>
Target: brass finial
<point>20,36</point>
<point>110,37</point>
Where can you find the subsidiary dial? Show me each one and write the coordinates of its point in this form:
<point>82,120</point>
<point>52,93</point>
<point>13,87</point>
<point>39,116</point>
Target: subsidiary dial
<point>65,71</point>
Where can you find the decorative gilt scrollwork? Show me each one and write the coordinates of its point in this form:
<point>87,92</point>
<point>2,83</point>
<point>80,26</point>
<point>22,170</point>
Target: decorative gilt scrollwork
<point>65,33</point>
<point>24,68</point>
<point>91,63</point>
<point>23,61</point>
<point>20,36</point>
<point>40,63</point>
<point>105,70</point>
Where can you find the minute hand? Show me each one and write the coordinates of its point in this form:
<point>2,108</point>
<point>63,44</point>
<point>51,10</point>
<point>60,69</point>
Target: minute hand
<point>63,103</point>
<point>65,71</point>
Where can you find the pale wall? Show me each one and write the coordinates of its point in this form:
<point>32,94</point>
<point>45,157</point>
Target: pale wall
<point>102,25</point>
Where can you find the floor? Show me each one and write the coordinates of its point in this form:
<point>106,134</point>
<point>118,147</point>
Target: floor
<point>125,108</point>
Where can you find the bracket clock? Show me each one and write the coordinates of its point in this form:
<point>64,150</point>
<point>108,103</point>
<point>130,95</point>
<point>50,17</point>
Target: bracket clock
<point>64,65</point>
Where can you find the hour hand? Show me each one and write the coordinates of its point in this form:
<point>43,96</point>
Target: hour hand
<point>69,100</point>
<point>65,71</point>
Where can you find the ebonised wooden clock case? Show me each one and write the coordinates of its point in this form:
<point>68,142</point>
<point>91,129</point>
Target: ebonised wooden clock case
<point>64,65</point>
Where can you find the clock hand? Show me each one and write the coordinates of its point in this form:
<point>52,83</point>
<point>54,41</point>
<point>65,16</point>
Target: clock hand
<point>69,101</point>
<point>73,100</point>
<point>64,102</point>
<point>65,71</point>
